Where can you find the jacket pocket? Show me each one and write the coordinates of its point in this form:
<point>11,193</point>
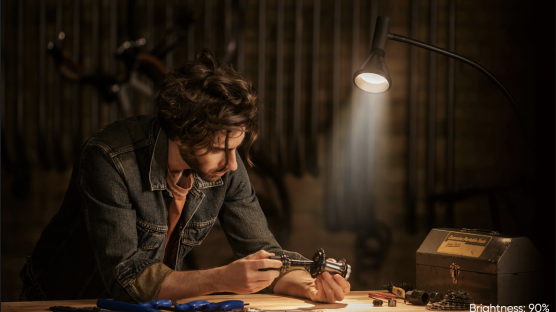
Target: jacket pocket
<point>195,232</point>
<point>150,238</point>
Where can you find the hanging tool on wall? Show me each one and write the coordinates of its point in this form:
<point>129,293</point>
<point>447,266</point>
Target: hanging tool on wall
<point>130,53</point>
<point>114,88</point>
<point>110,87</point>
<point>175,34</point>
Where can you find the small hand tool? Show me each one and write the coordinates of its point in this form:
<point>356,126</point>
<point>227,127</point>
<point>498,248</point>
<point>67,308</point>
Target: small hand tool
<point>203,305</point>
<point>399,289</point>
<point>155,304</point>
<point>123,306</point>
<point>227,305</point>
<point>166,304</point>
<point>193,305</point>
<point>64,308</point>
<point>382,296</point>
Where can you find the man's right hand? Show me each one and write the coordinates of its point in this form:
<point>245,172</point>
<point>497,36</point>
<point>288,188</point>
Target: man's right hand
<point>243,276</point>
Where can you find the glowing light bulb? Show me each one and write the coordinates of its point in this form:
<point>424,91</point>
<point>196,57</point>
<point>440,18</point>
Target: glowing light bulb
<point>373,78</point>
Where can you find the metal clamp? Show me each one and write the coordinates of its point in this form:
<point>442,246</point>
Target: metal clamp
<point>454,270</point>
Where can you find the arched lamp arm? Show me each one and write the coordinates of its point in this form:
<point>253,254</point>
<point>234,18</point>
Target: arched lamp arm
<point>466,61</point>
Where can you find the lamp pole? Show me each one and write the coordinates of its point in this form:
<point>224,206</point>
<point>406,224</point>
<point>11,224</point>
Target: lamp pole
<point>466,61</point>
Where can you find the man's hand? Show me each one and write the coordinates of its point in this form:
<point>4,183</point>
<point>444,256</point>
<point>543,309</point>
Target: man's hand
<point>325,288</point>
<point>243,276</point>
<point>329,288</point>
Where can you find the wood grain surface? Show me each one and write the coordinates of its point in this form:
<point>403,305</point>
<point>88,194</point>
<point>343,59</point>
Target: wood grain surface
<point>354,301</point>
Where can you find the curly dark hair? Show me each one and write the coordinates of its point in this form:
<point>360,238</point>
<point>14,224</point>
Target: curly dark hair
<point>201,98</point>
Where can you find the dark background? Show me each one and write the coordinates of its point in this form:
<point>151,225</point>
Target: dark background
<point>360,190</point>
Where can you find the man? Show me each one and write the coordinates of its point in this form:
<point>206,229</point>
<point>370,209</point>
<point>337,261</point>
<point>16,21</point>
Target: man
<point>146,190</point>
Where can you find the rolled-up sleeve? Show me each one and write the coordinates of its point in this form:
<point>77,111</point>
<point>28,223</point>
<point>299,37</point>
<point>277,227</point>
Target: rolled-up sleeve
<point>244,222</point>
<point>111,225</point>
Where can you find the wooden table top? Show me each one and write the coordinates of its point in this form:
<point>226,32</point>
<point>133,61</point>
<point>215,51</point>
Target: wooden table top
<point>354,301</point>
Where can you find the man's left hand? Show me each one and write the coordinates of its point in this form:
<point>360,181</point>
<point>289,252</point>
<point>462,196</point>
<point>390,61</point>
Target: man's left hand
<point>329,288</point>
<point>325,288</point>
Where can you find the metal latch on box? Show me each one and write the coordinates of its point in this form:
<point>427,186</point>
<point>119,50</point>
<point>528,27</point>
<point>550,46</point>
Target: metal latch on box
<point>454,269</point>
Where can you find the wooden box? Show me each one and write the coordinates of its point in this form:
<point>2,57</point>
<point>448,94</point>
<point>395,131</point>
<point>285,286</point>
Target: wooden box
<point>492,268</point>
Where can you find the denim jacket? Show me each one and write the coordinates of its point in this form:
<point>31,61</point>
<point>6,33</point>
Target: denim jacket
<point>112,224</point>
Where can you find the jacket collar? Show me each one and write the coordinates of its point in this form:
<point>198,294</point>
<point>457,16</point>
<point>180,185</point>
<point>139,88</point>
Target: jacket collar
<point>159,163</point>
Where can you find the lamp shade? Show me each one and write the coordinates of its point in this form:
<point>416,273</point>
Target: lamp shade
<point>373,76</point>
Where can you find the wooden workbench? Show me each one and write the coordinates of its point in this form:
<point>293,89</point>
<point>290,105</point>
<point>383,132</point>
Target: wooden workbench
<point>354,301</point>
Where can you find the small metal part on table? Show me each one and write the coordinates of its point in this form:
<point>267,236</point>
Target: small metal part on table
<point>391,302</point>
<point>417,297</point>
<point>435,297</point>
<point>377,303</point>
<point>454,300</point>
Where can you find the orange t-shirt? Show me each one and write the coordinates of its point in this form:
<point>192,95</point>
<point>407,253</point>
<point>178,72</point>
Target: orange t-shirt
<point>179,190</point>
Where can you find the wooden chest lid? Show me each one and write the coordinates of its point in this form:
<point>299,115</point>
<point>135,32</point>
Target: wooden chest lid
<point>478,251</point>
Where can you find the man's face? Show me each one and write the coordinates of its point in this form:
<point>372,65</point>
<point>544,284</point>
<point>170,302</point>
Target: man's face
<point>209,166</point>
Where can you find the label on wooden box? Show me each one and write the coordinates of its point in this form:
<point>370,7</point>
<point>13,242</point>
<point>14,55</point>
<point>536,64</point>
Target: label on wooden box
<point>463,244</point>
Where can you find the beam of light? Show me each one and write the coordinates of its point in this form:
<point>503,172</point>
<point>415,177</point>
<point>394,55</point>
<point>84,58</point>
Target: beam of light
<point>354,140</point>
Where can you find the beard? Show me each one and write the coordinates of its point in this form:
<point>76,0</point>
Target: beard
<point>197,167</point>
